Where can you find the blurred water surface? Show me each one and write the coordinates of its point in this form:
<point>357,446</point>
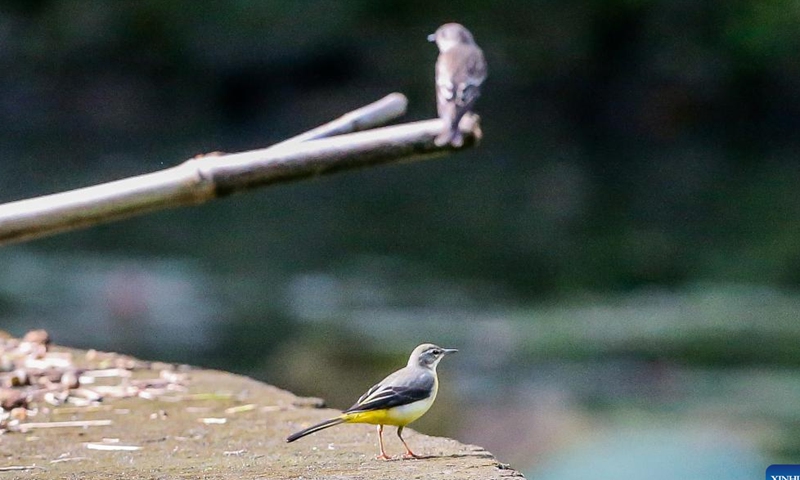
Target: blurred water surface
<point>628,383</point>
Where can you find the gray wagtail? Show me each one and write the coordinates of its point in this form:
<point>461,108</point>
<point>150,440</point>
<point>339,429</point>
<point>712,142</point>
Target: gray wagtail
<point>397,400</point>
<point>460,71</point>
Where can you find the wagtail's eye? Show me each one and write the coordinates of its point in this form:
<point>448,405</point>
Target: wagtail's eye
<point>436,351</point>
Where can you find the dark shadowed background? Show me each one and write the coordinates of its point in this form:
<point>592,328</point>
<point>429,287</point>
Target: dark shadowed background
<point>618,261</point>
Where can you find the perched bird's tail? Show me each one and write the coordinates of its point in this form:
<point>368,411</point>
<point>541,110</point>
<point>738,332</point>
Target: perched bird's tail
<point>449,136</point>
<point>315,428</point>
<point>451,115</point>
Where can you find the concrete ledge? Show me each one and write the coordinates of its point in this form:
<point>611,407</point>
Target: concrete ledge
<point>190,423</point>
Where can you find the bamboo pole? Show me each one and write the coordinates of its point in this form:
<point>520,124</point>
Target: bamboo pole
<point>202,179</point>
<point>375,114</point>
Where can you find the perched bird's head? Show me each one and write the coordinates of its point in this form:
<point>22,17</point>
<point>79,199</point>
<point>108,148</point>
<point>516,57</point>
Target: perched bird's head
<point>449,35</point>
<point>428,355</point>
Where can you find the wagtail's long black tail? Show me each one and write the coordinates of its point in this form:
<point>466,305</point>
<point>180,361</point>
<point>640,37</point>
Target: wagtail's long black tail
<point>315,428</point>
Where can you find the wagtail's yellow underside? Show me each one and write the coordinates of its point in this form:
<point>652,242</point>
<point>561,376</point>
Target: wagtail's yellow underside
<point>397,400</point>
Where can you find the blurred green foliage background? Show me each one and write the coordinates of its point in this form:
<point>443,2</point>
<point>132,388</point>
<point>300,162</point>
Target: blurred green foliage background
<point>618,261</point>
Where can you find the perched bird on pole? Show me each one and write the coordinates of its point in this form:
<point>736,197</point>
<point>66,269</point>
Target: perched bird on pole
<point>460,71</point>
<point>397,400</point>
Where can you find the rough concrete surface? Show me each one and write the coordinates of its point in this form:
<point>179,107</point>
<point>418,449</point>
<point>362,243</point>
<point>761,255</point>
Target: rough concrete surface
<point>208,424</point>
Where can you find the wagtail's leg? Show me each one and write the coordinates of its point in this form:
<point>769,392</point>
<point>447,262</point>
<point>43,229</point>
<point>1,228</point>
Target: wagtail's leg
<point>383,455</point>
<point>409,453</point>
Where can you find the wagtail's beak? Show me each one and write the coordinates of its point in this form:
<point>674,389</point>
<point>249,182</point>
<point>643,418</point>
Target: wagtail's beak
<point>432,37</point>
<point>450,350</point>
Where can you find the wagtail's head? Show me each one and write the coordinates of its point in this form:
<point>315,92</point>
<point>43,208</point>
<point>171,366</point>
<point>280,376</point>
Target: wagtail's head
<point>449,35</point>
<point>428,355</point>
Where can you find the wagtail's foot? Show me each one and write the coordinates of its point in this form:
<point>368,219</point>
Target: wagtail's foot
<point>409,455</point>
<point>383,456</point>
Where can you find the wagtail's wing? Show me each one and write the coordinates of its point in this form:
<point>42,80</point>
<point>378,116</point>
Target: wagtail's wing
<point>400,388</point>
